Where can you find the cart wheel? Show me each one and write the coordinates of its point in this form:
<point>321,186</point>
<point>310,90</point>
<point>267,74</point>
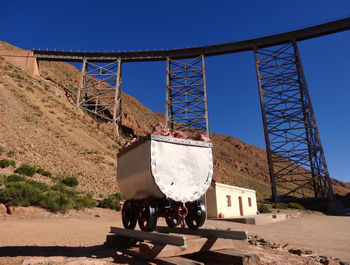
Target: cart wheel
<point>129,214</point>
<point>147,215</point>
<point>196,215</point>
<point>172,221</point>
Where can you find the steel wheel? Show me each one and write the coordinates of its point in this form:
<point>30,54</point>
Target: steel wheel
<point>172,221</point>
<point>196,215</point>
<point>129,214</point>
<point>147,215</point>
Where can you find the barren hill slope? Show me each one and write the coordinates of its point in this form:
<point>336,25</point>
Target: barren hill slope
<point>41,126</point>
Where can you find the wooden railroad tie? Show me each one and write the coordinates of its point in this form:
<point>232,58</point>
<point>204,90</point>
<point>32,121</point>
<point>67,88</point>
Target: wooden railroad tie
<point>180,245</point>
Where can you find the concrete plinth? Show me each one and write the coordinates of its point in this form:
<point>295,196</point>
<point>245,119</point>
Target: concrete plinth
<point>261,219</point>
<point>22,59</point>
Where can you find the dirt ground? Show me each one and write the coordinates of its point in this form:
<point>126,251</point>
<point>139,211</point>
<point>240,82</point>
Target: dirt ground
<point>327,235</point>
<point>77,239</point>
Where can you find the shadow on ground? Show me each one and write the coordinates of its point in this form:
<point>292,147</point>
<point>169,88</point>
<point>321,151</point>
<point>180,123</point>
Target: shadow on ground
<point>92,252</point>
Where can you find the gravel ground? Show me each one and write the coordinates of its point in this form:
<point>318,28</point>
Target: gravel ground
<point>77,238</point>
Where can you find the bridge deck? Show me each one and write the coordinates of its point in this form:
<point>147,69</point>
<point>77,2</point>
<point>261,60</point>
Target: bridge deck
<point>225,48</point>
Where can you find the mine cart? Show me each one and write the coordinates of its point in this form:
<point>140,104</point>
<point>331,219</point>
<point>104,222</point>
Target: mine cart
<point>163,176</point>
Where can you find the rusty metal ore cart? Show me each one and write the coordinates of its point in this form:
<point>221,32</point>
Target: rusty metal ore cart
<point>163,176</point>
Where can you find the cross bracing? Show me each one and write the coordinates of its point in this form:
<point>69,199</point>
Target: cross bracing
<point>296,159</point>
<point>186,101</point>
<point>100,90</point>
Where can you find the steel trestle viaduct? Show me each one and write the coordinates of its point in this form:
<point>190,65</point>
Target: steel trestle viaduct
<point>297,164</point>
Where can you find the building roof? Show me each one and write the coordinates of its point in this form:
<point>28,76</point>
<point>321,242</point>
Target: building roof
<point>232,187</point>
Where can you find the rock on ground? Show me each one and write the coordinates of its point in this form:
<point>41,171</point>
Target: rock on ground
<point>3,210</point>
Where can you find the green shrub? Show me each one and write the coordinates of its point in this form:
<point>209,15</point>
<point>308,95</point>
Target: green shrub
<point>39,185</point>
<point>290,205</point>
<point>60,199</point>
<point>63,188</point>
<point>15,178</point>
<point>20,191</point>
<point>70,181</point>
<point>280,205</point>
<point>20,194</point>
<point>19,76</point>
<point>119,196</point>
<point>2,149</point>
<point>44,172</point>
<point>262,208</point>
<point>47,174</point>
<point>6,163</point>
<point>10,154</point>
<point>112,202</point>
<point>26,170</point>
<point>2,179</point>
<point>85,202</point>
<point>56,201</point>
<point>295,205</point>
<point>39,170</point>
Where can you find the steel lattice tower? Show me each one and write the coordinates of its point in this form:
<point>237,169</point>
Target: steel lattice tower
<point>186,95</point>
<point>100,90</point>
<point>297,163</point>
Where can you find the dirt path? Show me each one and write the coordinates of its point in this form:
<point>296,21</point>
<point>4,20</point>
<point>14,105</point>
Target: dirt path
<point>78,240</point>
<point>59,240</point>
<point>327,235</point>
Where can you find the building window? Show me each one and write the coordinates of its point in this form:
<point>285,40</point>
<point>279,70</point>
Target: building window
<point>228,200</point>
<point>250,202</point>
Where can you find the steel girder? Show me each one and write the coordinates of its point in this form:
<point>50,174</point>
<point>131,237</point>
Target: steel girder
<point>211,50</point>
<point>296,160</point>
<point>99,93</point>
<point>186,95</point>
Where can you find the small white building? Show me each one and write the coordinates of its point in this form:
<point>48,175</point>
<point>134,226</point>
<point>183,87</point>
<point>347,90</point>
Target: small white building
<point>226,201</point>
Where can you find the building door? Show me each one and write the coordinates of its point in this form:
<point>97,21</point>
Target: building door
<point>240,205</point>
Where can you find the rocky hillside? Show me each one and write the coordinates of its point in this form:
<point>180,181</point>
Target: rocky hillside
<point>42,127</point>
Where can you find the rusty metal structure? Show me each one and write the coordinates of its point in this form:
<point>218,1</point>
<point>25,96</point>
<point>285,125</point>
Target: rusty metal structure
<point>296,159</point>
<point>100,90</point>
<point>186,95</point>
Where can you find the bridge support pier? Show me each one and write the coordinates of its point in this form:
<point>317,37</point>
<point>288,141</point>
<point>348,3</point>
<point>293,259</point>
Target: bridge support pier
<point>99,93</point>
<point>186,95</point>
<point>295,155</point>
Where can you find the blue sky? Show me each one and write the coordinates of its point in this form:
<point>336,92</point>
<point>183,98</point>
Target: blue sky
<point>231,79</point>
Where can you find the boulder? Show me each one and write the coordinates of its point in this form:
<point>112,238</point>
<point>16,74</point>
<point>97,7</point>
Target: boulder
<point>296,251</point>
<point>3,210</point>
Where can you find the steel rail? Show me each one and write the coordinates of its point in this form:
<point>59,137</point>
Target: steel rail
<point>211,50</point>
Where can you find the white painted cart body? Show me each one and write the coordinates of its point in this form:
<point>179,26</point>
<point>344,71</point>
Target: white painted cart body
<point>165,167</point>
